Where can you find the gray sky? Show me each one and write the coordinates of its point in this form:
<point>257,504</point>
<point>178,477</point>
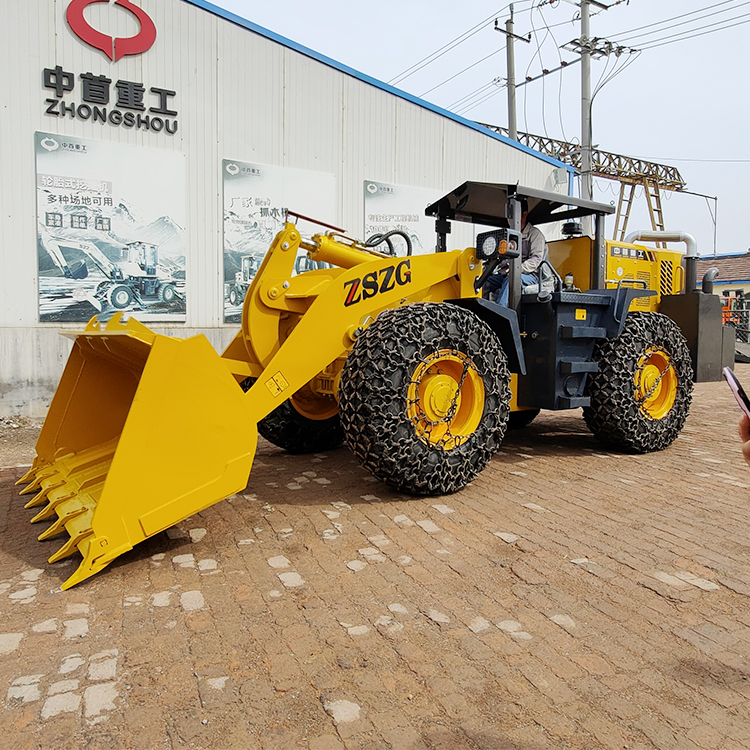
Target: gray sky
<point>681,102</point>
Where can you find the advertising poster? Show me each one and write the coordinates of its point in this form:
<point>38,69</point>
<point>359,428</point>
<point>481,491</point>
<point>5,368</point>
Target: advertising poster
<point>110,238</point>
<point>256,198</point>
<point>401,207</point>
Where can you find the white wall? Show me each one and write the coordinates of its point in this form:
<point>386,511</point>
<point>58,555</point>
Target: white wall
<point>240,96</point>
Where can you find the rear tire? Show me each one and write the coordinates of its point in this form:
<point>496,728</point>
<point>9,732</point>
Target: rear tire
<point>167,293</point>
<point>640,397</point>
<point>424,398</point>
<point>286,428</point>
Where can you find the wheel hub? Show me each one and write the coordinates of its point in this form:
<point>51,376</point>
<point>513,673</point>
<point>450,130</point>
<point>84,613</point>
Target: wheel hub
<point>446,399</point>
<point>439,392</point>
<point>655,384</point>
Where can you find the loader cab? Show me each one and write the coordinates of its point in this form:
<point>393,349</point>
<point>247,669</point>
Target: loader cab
<point>498,205</point>
<point>250,265</point>
<point>144,255</point>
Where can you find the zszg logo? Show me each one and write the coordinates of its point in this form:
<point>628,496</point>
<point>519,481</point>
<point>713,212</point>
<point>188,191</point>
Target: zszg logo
<point>114,49</point>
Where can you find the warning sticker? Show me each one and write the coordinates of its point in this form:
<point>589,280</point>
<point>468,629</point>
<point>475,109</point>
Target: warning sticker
<point>581,313</point>
<point>277,384</point>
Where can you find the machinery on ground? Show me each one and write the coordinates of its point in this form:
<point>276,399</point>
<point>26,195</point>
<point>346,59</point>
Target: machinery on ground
<point>242,279</point>
<point>137,277</point>
<point>400,357</point>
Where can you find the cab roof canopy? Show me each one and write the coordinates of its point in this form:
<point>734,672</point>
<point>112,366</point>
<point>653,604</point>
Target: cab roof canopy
<point>487,203</point>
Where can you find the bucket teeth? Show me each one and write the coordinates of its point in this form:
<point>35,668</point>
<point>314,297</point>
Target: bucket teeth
<point>39,476</point>
<point>44,513</point>
<point>70,546</point>
<point>73,508</point>
<point>38,499</point>
<point>33,487</point>
<point>27,477</point>
<point>43,494</point>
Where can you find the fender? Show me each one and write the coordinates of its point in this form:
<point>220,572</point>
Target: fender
<point>504,324</point>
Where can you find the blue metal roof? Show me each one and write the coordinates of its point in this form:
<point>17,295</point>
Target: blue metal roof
<point>250,26</point>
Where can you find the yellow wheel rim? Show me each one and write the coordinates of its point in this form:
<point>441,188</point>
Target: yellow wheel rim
<point>446,399</point>
<point>314,405</point>
<point>655,383</point>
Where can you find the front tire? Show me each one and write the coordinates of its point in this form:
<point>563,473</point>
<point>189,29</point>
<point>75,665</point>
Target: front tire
<point>424,398</point>
<point>640,397</point>
<point>120,296</point>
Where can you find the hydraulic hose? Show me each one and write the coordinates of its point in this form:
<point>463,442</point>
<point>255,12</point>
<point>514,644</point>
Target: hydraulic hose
<point>379,239</point>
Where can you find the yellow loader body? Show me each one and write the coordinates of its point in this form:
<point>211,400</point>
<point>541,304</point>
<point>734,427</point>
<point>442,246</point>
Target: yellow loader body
<point>146,430</point>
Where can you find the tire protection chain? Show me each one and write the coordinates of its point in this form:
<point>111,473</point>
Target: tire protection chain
<point>373,397</point>
<point>616,416</point>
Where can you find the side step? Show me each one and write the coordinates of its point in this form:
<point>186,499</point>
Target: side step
<point>582,332</point>
<point>569,367</point>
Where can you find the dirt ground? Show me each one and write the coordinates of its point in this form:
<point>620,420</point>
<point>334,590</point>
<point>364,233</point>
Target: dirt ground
<point>17,440</point>
<point>570,597</point>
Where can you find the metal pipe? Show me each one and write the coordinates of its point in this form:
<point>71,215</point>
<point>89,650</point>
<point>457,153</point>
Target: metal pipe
<point>708,280</point>
<point>691,252</point>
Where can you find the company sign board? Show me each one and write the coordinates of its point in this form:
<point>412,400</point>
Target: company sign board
<point>101,97</point>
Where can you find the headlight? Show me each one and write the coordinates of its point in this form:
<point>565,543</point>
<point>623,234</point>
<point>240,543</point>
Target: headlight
<point>489,245</point>
<point>498,242</point>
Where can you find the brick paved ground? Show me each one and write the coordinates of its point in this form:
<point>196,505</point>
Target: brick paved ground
<point>569,598</point>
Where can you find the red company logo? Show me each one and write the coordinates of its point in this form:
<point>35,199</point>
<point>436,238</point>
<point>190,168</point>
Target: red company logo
<point>114,49</point>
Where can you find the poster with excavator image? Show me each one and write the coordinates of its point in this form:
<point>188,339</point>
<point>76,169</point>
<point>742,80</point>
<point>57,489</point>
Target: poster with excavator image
<point>111,237</point>
<point>256,198</point>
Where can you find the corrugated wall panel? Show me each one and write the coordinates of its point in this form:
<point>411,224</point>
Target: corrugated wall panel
<point>200,48</point>
<point>368,120</point>
<point>27,34</point>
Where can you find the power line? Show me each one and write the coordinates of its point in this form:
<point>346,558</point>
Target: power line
<point>472,105</point>
<point>460,72</point>
<point>476,91</point>
<point>680,38</point>
<point>460,39</point>
<point>692,20</point>
<point>493,85</point>
<point>623,34</point>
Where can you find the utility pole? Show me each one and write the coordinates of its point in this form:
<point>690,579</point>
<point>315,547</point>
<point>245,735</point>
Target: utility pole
<point>586,165</point>
<point>586,47</point>
<point>511,72</point>
<point>511,69</point>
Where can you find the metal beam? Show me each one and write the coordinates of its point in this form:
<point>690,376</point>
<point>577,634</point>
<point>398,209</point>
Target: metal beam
<point>624,169</point>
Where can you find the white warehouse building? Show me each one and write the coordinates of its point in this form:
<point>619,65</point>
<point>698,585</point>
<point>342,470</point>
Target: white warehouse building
<point>151,148</point>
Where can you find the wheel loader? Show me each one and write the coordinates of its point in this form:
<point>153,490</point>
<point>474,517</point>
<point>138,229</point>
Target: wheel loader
<point>401,357</point>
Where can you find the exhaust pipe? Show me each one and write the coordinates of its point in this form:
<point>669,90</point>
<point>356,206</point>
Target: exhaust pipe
<point>691,252</point>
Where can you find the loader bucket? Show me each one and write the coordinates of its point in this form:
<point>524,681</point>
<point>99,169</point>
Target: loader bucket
<point>144,431</point>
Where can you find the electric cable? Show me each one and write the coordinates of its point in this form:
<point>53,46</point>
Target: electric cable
<point>624,34</point>
<point>471,94</point>
<point>460,72</point>
<point>460,39</point>
<point>486,92</point>
<point>708,30</point>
